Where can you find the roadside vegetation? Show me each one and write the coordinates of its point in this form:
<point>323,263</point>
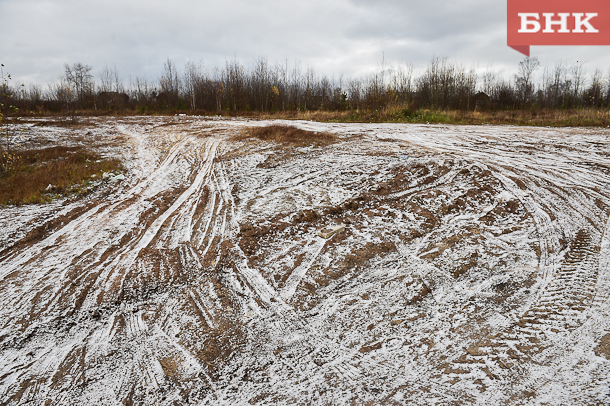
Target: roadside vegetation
<point>444,92</point>
<point>40,175</point>
<point>581,117</point>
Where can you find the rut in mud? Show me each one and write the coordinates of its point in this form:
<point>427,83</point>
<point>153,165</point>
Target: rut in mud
<point>473,269</point>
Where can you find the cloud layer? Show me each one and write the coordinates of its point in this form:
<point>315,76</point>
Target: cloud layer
<point>349,37</point>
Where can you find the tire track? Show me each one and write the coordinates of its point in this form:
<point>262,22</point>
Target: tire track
<point>113,269</point>
<point>168,308</point>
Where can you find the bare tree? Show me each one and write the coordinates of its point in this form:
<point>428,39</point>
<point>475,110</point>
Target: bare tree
<point>79,80</point>
<point>170,83</point>
<point>8,132</point>
<point>110,80</point>
<point>106,80</point>
<point>235,83</point>
<point>402,82</point>
<point>295,86</point>
<point>594,94</point>
<point>607,89</point>
<point>559,83</point>
<point>489,80</point>
<point>578,79</point>
<point>524,78</point>
<point>354,93</point>
<point>262,86</point>
<point>192,80</point>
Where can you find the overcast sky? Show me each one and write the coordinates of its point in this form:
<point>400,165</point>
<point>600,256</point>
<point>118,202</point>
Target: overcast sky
<point>348,37</point>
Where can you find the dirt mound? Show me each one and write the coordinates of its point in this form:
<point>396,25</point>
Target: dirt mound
<point>289,135</point>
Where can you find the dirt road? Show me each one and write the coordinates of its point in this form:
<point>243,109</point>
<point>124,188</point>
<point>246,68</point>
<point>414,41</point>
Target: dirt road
<point>474,269</point>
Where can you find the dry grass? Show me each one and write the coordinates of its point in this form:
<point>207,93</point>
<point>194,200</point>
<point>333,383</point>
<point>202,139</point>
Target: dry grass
<point>67,169</point>
<point>546,117</point>
<point>402,114</point>
<point>399,113</point>
<point>582,117</point>
<point>288,135</point>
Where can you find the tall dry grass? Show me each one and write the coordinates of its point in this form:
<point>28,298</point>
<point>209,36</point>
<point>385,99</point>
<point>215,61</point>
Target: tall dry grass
<point>67,169</point>
<point>288,135</point>
<point>582,117</point>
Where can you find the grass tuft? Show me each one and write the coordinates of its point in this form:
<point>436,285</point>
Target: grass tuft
<point>67,169</point>
<point>285,134</point>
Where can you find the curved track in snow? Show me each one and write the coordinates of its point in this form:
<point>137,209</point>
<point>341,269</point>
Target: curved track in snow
<point>474,269</point>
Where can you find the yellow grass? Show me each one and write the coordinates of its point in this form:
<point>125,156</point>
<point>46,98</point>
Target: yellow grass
<point>67,169</point>
<point>284,134</point>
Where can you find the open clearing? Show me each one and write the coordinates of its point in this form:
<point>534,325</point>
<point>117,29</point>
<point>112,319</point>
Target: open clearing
<point>474,268</point>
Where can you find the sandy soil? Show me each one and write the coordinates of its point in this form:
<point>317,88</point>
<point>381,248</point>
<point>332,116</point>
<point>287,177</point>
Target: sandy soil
<point>474,269</point>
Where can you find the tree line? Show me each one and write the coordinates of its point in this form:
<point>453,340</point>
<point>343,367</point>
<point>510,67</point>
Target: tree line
<point>266,87</point>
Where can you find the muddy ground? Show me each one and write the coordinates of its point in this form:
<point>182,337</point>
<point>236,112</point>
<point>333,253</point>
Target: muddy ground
<point>473,269</point>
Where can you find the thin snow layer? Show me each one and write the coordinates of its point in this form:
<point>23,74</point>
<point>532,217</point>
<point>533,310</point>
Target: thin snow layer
<point>474,269</point>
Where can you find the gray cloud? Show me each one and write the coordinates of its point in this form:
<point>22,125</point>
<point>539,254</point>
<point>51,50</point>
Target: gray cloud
<point>346,36</point>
